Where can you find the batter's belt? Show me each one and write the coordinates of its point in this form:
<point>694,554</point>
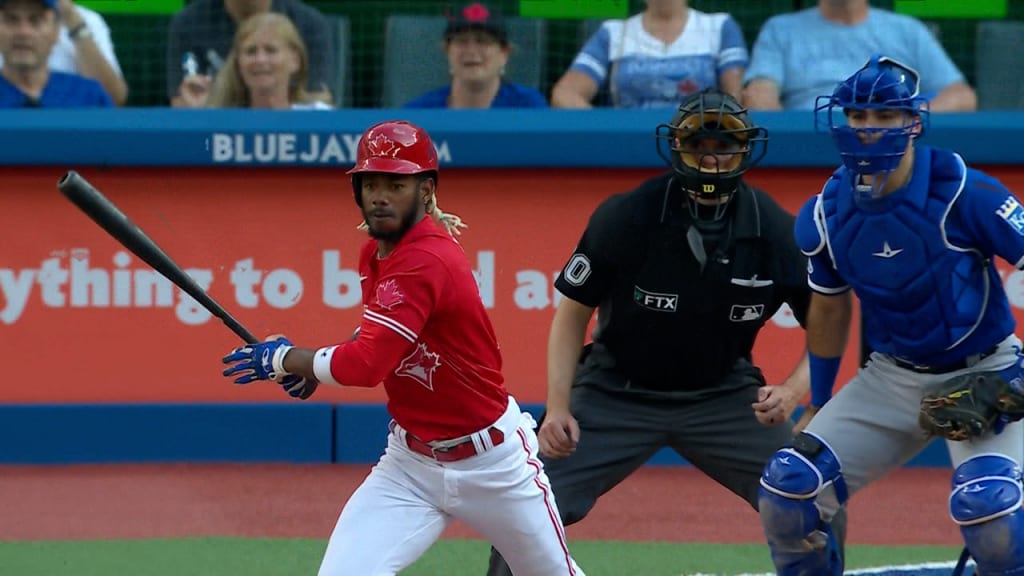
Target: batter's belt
<point>457,448</point>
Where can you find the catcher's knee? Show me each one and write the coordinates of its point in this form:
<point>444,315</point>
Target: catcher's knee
<point>986,504</point>
<point>801,542</point>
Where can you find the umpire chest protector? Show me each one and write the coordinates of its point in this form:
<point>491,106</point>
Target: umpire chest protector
<point>673,322</point>
<point>921,292</point>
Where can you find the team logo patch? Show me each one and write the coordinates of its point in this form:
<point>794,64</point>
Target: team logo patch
<point>420,366</point>
<point>1012,212</point>
<point>388,295</point>
<point>654,300</point>
<point>742,313</point>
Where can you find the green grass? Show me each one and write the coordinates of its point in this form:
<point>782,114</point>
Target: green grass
<point>278,557</point>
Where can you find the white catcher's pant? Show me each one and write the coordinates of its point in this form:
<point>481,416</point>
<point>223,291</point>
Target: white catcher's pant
<point>406,502</point>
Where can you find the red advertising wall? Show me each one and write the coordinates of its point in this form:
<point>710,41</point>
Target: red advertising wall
<point>83,320</point>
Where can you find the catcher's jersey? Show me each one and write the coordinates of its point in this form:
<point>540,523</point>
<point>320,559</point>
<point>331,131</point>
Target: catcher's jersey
<point>919,258</point>
<point>426,335</point>
<point>667,322</point>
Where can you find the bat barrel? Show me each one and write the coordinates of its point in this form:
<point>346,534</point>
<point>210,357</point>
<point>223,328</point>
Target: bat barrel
<point>102,211</point>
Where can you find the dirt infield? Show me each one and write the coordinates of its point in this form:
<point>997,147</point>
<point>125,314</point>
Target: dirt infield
<point>660,504</point>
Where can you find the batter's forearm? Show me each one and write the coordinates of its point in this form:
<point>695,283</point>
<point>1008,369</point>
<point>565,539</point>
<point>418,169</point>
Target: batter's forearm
<point>299,361</point>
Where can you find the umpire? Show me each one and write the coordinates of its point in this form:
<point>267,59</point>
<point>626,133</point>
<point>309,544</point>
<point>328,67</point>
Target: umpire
<point>683,272</point>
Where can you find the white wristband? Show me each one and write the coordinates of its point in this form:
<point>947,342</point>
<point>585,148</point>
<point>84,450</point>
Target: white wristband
<point>322,365</point>
<point>277,362</point>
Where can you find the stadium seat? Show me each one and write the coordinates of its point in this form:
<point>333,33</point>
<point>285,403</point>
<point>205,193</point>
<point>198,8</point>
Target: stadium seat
<point>999,78</point>
<point>409,72</point>
<point>341,31</point>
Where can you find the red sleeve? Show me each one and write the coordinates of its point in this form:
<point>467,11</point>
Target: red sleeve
<point>394,313</point>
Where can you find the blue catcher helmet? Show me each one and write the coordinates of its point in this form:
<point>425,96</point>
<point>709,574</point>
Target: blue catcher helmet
<point>881,84</point>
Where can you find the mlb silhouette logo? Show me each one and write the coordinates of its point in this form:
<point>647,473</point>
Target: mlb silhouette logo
<point>741,313</point>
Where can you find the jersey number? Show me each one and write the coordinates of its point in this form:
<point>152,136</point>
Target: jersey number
<point>577,270</point>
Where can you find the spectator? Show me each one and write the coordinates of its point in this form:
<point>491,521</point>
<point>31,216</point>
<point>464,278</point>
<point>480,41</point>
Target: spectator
<point>28,33</point>
<point>205,29</point>
<point>477,45</point>
<point>84,47</point>
<point>656,59</point>
<point>801,55</point>
<point>266,68</point>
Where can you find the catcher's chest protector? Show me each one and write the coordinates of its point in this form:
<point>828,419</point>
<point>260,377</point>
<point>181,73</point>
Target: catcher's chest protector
<point>920,293</point>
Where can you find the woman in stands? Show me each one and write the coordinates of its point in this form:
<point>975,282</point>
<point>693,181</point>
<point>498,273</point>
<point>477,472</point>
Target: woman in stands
<point>656,59</point>
<point>267,68</point>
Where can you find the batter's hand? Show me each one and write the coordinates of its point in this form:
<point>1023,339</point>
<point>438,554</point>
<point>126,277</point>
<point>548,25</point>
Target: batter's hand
<point>558,435</point>
<point>775,404</point>
<point>263,361</point>
<point>298,387</point>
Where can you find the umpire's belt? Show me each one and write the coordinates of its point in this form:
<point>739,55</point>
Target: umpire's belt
<point>966,362</point>
<point>455,449</point>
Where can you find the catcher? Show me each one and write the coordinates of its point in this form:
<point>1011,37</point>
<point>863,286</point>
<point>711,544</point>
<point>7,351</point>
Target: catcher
<point>912,231</point>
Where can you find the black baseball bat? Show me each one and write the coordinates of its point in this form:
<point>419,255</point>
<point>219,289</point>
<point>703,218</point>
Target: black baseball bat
<point>110,218</point>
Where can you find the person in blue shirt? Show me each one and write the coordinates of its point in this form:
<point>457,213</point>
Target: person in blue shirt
<point>28,32</point>
<point>913,232</point>
<point>478,49</point>
<point>800,55</point>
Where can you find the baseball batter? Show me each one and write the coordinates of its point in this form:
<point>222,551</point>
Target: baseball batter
<point>912,231</point>
<point>459,446</point>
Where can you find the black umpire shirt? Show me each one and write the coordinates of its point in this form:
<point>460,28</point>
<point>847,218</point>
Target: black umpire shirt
<point>666,321</point>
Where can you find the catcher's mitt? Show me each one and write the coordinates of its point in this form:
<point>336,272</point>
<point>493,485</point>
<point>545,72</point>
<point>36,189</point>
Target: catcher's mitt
<point>969,406</point>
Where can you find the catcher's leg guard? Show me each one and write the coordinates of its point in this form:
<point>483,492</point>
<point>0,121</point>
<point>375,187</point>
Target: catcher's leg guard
<point>802,544</point>
<point>986,503</point>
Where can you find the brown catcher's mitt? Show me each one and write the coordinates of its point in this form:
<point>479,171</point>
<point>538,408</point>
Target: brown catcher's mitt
<point>969,406</point>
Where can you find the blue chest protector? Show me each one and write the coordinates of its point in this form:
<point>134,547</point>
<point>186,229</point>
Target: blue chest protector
<point>926,295</point>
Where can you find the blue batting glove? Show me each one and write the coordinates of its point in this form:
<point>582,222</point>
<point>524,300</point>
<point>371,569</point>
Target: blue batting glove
<point>263,361</point>
<point>298,387</point>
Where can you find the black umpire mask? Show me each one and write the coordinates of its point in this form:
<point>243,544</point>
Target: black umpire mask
<point>711,143</point>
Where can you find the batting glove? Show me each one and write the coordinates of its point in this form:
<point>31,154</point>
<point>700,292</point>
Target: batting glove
<point>298,387</point>
<point>263,361</point>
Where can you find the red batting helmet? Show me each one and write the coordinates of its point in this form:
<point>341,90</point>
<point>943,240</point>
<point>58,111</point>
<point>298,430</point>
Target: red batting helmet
<point>393,147</point>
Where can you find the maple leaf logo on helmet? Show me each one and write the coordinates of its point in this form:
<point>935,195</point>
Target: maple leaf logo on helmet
<point>381,145</point>
<point>388,295</point>
<point>420,366</point>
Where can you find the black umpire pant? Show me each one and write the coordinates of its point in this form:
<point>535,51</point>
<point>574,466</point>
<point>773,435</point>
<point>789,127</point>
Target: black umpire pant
<point>621,429</point>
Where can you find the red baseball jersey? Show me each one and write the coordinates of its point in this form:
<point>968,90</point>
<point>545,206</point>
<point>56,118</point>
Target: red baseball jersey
<point>426,335</point>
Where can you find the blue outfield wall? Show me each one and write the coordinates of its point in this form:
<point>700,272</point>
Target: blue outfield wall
<point>301,433</point>
<point>92,433</point>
